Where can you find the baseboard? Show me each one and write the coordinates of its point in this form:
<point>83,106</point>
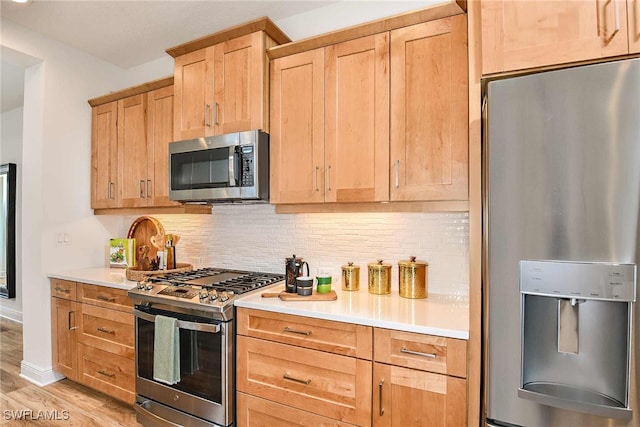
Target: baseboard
<point>37,375</point>
<point>11,314</point>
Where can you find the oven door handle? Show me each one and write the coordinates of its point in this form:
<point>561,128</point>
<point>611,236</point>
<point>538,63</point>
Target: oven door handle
<point>182,324</point>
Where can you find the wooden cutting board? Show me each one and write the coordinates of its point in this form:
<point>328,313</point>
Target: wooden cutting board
<point>285,296</point>
<point>142,229</point>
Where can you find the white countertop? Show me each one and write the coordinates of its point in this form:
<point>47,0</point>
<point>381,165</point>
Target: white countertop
<point>442,315</point>
<point>103,276</point>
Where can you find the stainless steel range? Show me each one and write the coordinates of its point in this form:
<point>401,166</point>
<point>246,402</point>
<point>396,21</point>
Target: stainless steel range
<point>202,302</point>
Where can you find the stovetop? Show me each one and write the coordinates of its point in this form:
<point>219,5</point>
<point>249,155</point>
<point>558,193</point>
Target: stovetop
<point>210,290</point>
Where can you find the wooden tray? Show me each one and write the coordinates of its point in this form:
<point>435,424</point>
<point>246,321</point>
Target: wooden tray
<point>285,296</point>
<point>142,229</point>
<point>141,275</point>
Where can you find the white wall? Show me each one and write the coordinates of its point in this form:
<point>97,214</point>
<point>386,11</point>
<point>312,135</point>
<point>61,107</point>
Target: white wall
<point>11,152</point>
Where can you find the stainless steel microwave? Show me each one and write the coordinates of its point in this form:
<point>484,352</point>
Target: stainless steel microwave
<point>225,168</point>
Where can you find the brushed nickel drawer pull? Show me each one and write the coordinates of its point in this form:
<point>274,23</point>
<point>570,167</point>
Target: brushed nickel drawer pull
<point>417,353</point>
<point>381,409</point>
<point>106,374</point>
<point>397,173</point>
<point>63,290</point>
<point>106,331</point>
<point>103,298</point>
<point>207,109</point>
<point>215,113</point>
<point>294,331</point>
<point>315,179</point>
<point>148,185</point>
<point>286,376</point>
<point>71,328</point>
<point>329,178</point>
<point>142,189</point>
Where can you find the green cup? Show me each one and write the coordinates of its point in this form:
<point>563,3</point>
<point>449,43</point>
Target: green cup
<point>324,284</point>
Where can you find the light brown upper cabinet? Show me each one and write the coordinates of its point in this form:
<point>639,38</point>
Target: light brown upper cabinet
<point>330,124</point>
<point>524,34</point>
<point>297,128</point>
<point>104,158</point>
<point>221,81</point>
<point>633,13</point>
<point>394,124</point>
<point>429,111</point>
<point>221,88</point>
<point>357,120</point>
<point>130,137</point>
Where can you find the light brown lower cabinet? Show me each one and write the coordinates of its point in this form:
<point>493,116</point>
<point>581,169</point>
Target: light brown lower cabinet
<point>93,337</point>
<point>289,374</point>
<point>256,412</point>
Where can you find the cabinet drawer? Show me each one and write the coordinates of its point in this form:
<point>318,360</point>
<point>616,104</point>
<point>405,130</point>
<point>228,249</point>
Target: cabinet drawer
<point>331,385</point>
<point>111,374</point>
<point>335,337</point>
<point>103,296</point>
<point>63,289</point>
<point>108,330</point>
<point>253,411</point>
<point>419,351</point>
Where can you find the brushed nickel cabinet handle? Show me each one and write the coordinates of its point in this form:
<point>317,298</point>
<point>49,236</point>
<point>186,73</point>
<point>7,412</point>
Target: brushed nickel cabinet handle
<point>63,290</point>
<point>315,179</point>
<point>381,409</point>
<point>329,178</point>
<point>106,374</point>
<point>295,331</point>
<point>69,321</point>
<point>106,331</point>
<point>110,190</point>
<point>397,173</point>
<point>417,353</point>
<point>286,376</point>
<point>103,298</point>
<point>215,113</point>
<point>142,188</point>
<point>207,109</point>
<point>148,186</point>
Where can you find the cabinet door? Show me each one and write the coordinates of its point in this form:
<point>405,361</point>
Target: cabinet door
<point>357,120</point>
<point>193,88</point>
<point>429,110</point>
<point>64,325</point>
<point>239,80</point>
<point>132,151</point>
<point>530,33</point>
<point>159,135</point>
<point>104,138</point>
<point>297,128</point>
<point>408,397</point>
<point>633,12</point>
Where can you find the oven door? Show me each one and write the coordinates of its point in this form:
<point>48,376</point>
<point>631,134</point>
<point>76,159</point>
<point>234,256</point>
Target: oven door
<point>206,365</point>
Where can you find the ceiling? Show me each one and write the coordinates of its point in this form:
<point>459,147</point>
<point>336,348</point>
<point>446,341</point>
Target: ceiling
<point>130,33</point>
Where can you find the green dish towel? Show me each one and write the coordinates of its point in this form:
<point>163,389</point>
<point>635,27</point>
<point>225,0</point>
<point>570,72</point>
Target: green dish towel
<point>166,350</point>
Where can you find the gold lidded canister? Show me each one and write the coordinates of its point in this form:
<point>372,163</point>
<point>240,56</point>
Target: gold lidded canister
<point>412,277</point>
<point>379,278</point>
<point>350,277</point>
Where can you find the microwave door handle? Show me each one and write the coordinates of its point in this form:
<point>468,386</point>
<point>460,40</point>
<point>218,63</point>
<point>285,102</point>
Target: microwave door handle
<point>182,324</point>
<point>233,156</point>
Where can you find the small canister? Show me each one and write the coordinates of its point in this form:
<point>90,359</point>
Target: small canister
<point>350,277</point>
<point>379,278</point>
<point>412,277</point>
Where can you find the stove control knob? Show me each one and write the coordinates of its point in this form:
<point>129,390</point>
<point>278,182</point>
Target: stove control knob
<point>203,295</point>
<point>141,285</point>
<point>224,296</point>
<point>149,287</point>
<point>213,295</point>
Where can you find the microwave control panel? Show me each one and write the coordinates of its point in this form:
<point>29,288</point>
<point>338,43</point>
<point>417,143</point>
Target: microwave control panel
<point>247,166</point>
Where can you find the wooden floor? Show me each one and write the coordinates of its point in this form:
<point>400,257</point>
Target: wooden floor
<point>63,403</point>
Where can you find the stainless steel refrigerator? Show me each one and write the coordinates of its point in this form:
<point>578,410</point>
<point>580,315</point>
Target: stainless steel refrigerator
<point>561,183</point>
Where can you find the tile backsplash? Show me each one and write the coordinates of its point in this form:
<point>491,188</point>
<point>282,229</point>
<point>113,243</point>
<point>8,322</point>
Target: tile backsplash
<point>254,237</point>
